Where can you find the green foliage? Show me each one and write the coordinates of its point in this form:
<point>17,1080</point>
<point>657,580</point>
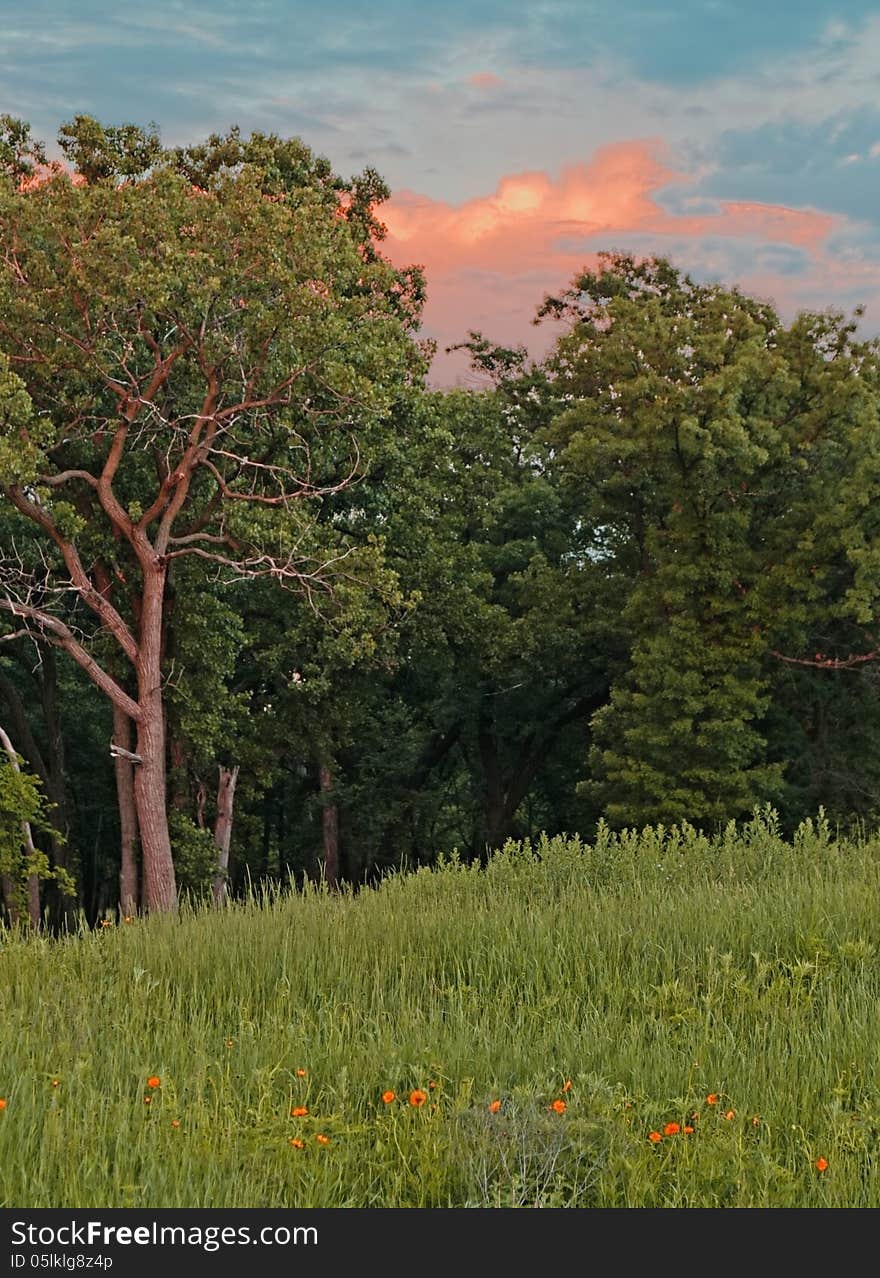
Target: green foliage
<point>22,801</point>
<point>708,445</point>
<point>195,856</point>
<point>22,437</point>
<point>20,154</point>
<point>100,152</point>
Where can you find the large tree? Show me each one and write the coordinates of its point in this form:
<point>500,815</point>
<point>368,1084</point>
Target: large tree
<point>196,344</point>
<point>724,462</point>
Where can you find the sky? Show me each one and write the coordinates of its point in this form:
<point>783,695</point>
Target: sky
<point>739,138</point>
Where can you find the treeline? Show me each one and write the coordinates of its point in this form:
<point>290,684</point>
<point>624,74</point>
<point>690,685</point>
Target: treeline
<point>271,607</point>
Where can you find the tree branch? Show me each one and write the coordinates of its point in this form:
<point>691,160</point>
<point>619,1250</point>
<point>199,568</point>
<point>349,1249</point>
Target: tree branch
<point>56,632</point>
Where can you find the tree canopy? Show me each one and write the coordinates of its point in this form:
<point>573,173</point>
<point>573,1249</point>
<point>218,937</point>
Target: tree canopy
<point>329,618</point>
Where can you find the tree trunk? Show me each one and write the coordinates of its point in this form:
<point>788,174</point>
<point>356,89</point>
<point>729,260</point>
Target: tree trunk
<point>494,796</point>
<point>223,829</point>
<point>159,885</point>
<point>124,768</point>
<point>330,829</point>
<point>33,883</point>
<point>10,898</point>
<point>59,906</point>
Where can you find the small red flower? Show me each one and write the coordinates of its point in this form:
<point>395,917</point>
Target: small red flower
<point>494,1106</point>
<point>821,1164</point>
<point>388,1097</point>
<point>558,1106</point>
<point>417,1098</point>
<point>654,1137</point>
<point>299,1111</point>
<point>154,1082</point>
<point>671,1129</point>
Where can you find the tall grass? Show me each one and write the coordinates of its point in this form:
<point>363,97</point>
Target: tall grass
<point>650,970</point>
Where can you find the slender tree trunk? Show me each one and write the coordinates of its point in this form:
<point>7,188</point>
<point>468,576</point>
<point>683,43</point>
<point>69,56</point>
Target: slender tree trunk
<point>124,768</point>
<point>10,898</point>
<point>201,801</point>
<point>223,829</point>
<point>60,908</point>
<point>330,829</point>
<point>33,883</point>
<point>159,886</point>
<point>493,801</point>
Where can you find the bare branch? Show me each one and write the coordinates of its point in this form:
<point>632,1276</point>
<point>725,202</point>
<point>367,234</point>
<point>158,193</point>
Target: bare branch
<point>821,662</point>
<point>105,611</point>
<point>54,481</point>
<point>57,632</point>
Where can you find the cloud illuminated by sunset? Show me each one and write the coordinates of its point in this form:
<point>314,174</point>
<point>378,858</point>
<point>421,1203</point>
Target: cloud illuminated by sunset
<point>490,259</point>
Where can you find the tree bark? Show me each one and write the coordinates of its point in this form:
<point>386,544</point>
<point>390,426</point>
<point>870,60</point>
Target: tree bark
<point>223,829</point>
<point>330,830</point>
<point>10,898</point>
<point>159,886</point>
<point>128,830</point>
<point>33,883</point>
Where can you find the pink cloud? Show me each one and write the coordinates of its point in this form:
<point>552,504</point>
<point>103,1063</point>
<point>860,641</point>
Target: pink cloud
<point>490,260</point>
<point>485,80</point>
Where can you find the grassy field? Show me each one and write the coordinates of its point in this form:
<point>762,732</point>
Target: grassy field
<point>650,983</point>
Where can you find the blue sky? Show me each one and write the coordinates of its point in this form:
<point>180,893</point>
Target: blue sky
<point>709,112</point>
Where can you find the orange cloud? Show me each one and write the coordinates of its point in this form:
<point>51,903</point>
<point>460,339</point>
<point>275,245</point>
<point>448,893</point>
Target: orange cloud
<point>485,80</point>
<point>490,260</point>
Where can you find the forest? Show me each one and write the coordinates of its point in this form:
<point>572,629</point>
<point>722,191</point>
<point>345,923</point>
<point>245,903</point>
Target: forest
<point>275,608</point>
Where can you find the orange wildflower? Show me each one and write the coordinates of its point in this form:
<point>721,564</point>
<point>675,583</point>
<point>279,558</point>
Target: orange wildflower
<point>712,1098</point>
<point>821,1164</point>
<point>388,1096</point>
<point>154,1082</point>
<point>300,1073</point>
<point>558,1106</point>
<point>688,1131</point>
<point>417,1097</point>
<point>322,1139</point>
<point>731,1113</point>
<point>2,1104</point>
<point>299,1111</point>
<point>297,1143</point>
<point>494,1106</point>
<point>671,1129</point>
<point>175,1122</point>
<point>566,1086</point>
<point>654,1137</point>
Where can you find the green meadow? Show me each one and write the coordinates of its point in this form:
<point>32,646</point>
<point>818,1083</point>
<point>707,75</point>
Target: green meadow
<point>647,983</point>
